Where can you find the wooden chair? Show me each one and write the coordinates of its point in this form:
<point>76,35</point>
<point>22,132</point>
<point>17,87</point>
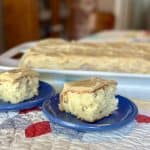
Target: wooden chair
<point>21,21</point>
<point>83,22</point>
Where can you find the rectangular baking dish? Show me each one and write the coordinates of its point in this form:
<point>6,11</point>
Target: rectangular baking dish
<point>135,86</point>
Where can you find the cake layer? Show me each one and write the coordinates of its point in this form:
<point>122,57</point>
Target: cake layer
<point>18,85</point>
<point>114,57</point>
<point>89,100</point>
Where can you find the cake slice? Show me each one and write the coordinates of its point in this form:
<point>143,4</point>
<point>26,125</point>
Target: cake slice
<point>90,99</point>
<point>18,85</point>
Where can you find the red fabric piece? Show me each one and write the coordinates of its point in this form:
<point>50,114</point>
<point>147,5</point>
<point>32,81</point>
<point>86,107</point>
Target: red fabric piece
<point>142,118</point>
<point>25,111</point>
<point>37,129</point>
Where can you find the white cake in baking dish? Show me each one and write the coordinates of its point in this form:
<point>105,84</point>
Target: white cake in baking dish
<point>111,57</point>
<point>18,85</point>
<point>90,99</point>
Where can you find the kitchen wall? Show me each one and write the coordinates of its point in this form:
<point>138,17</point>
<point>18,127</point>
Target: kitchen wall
<point>141,14</point>
<point>129,14</point>
<point>121,9</point>
<point>106,5</point>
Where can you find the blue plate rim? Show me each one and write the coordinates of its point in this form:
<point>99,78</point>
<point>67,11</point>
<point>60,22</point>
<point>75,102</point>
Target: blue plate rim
<point>91,127</point>
<point>28,103</point>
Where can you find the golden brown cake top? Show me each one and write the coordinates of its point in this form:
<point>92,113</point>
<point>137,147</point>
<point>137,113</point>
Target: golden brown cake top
<point>117,49</point>
<point>17,74</point>
<point>89,85</point>
<point>113,57</point>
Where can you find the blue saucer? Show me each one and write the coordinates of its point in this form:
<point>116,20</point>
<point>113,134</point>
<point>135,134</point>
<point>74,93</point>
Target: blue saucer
<point>45,92</point>
<point>125,113</point>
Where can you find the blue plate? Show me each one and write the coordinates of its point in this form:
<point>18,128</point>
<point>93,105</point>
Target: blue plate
<point>125,113</point>
<point>45,91</point>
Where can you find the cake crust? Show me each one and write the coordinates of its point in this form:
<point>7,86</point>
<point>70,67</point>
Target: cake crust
<point>17,74</point>
<point>89,85</point>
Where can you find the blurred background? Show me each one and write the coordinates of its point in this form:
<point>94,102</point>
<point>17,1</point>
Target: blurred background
<point>30,20</point>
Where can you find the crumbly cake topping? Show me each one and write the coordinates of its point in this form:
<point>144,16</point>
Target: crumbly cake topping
<point>89,85</point>
<point>118,49</point>
<point>16,74</point>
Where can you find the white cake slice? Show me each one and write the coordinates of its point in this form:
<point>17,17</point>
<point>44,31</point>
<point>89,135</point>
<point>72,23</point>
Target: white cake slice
<point>18,85</point>
<point>89,100</point>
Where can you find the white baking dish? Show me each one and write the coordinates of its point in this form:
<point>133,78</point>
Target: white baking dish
<point>130,85</point>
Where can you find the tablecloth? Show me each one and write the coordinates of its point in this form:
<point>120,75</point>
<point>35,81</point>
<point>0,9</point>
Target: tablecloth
<point>30,130</point>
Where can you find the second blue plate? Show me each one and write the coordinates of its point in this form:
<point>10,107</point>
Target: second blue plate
<point>46,91</point>
<point>125,113</point>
